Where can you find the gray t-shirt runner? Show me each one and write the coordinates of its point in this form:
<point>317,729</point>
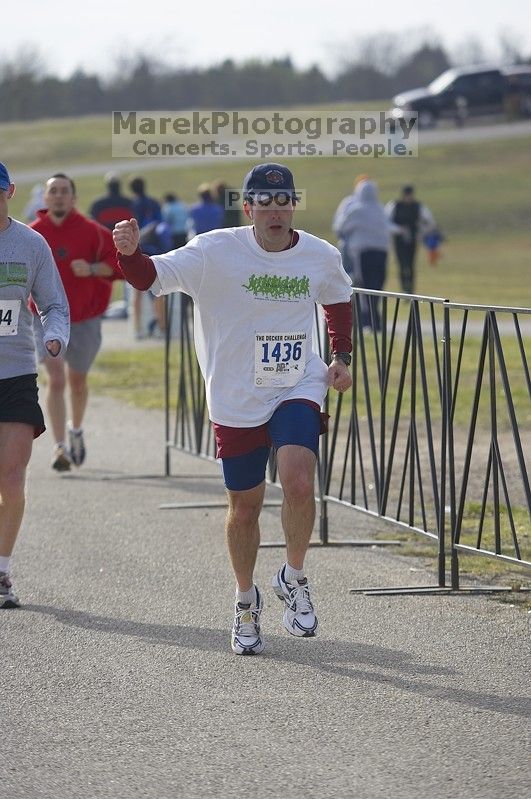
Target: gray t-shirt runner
<point>27,267</point>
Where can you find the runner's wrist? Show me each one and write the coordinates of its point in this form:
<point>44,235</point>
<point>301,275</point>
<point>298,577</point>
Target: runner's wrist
<point>345,357</point>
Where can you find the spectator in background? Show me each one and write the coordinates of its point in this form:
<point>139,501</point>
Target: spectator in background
<point>414,219</point>
<point>432,241</point>
<point>175,215</point>
<point>366,232</point>
<point>86,259</point>
<point>155,239</point>
<point>145,209</point>
<point>339,216</point>
<point>108,210</point>
<point>206,214</point>
<point>231,208</point>
<point>148,213</point>
<point>113,206</point>
<point>35,203</point>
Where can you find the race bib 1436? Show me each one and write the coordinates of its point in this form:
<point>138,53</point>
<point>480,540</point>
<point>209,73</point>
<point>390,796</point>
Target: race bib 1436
<point>279,359</point>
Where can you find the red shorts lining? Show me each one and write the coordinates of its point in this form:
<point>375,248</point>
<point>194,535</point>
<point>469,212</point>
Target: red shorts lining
<point>233,441</point>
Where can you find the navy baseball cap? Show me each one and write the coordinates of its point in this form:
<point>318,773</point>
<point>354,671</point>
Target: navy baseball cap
<point>5,182</point>
<point>269,179</point>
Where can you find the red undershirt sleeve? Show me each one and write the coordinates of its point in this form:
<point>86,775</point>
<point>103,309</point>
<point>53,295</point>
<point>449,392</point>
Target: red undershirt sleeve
<point>139,270</point>
<point>339,323</point>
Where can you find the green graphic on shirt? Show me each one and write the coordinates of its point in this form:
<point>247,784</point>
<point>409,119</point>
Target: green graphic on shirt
<point>278,288</point>
<point>13,274</point>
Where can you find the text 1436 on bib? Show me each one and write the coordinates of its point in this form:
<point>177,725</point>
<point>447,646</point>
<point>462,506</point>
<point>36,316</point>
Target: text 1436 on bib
<point>279,359</point>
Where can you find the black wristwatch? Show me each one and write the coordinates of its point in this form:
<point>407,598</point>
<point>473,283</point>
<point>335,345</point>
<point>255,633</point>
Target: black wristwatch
<point>346,357</point>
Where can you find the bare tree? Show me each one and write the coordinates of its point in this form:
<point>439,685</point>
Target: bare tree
<point>470,51</point>
<point>510,45</point>
<point>27,62</point>
<point>384,51</point>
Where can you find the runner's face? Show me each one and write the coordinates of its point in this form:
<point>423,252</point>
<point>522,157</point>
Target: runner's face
<point>272,224</point>
<point>59,197</point>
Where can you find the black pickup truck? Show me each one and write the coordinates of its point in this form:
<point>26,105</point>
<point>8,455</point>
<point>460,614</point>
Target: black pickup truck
<point>468,91</point>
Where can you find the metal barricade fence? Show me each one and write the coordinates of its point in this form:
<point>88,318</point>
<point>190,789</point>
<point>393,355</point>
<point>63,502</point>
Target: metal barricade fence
<point>490,508</point>
<point>433,437</point>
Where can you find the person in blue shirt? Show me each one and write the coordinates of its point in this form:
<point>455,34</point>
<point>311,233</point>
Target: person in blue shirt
<point>145,208</point>
<point>175,214</point>
<point>148,213</point>
<point>207,214</point>
<point>224,195</point>
<point>156,238</point>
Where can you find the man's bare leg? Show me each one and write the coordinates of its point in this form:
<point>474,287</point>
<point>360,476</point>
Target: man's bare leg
<point>16,440</point>
<point>243,538</point>
<point>159,308</point>
<point>55,397</point>
<point>137,313</point>
<point>78,395</point>
<point>243,532</point>
<point>296,469</point>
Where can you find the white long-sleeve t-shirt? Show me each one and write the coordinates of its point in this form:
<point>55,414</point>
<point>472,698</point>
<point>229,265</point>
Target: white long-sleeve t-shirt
<point>253,318</point>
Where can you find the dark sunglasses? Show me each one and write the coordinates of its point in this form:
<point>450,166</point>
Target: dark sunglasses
<point>265,198</point>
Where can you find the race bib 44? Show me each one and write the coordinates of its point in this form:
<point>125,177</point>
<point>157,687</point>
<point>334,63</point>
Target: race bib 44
<point>279,359</point>
<point>9,313</point>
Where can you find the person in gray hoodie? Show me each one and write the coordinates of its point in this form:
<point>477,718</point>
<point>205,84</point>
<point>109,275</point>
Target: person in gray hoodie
<point>362,224</point>
<point>26,267</point>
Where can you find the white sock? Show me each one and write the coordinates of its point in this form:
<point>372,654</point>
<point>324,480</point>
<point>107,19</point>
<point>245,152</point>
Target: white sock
<point>291,575</point>
<point>4,563</point>
<point>73,429</point>
<point>246,597</point>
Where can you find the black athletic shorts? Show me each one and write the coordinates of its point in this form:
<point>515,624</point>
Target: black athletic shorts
<point>19,402</point>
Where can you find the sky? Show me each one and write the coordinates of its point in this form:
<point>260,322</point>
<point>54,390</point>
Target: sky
<point>207,32</point>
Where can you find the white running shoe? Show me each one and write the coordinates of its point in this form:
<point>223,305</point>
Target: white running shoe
<point>61,460</point>
<point>246,638</point>
<point>76,445</point>
<point>7,597</point>
<point>299,615</point>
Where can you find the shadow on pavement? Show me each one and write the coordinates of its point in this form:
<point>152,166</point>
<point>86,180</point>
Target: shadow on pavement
<point>193,483</point>
<point>325,656</point>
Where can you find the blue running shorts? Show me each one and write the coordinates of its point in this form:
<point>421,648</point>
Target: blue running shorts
<point>294,422</point>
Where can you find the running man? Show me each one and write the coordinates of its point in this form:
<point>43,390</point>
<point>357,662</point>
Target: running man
<point>255,289</point>
<point>86,259</point>
<point>26,267</point>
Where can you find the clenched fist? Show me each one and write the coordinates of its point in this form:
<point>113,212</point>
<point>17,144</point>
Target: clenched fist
<point>54,347</point>
<point>339,376</point>
<point>126,236</point>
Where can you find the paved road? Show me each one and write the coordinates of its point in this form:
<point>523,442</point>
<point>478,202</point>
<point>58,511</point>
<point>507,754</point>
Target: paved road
<point>118,682</point>
<point>468,135</point>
